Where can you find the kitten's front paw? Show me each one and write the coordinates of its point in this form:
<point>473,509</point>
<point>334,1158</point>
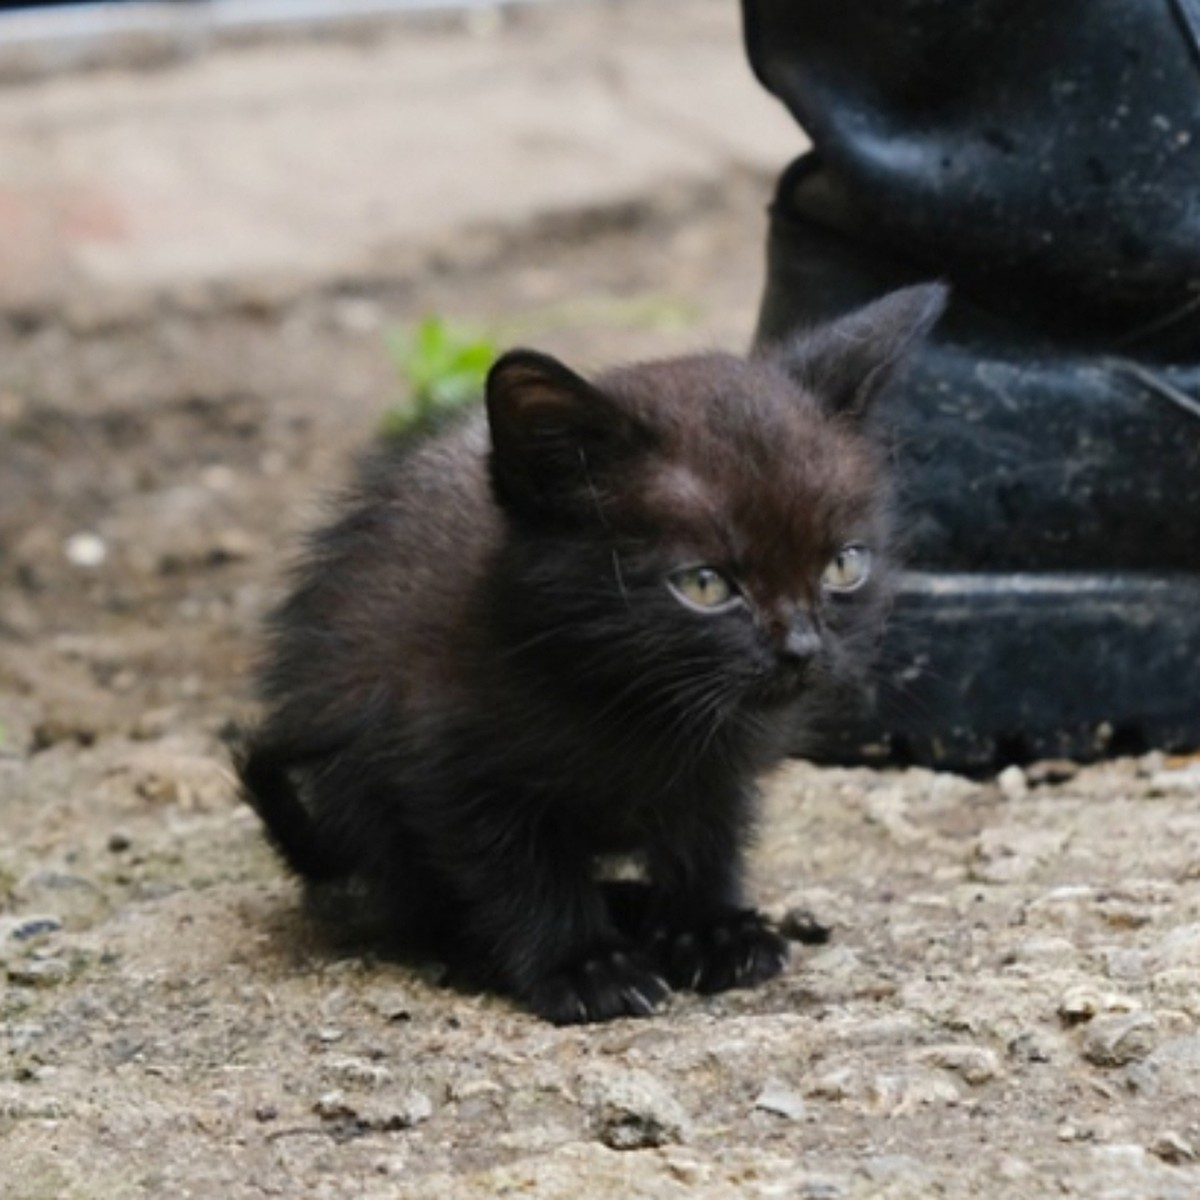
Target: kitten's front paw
<point>604,985</point>
<point>738,949</point>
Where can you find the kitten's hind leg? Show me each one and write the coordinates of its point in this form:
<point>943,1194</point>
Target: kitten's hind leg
<point>264,768</point>
<point>631,907</point>
<point>536,924</point>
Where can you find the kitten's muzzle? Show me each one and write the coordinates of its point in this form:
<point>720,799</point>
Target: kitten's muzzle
<point>800,645</point>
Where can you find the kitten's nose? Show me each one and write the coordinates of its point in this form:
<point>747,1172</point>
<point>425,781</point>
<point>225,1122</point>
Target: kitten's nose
<point>801,643</point>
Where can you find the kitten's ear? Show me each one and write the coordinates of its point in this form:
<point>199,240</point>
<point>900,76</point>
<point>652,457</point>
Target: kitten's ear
<point>848,362</point>
<point>553,433</point>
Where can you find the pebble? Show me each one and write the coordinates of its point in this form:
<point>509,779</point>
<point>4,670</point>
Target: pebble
<point>1185,779</point>
<point>801,925</point>
<point>1084,1002</point>
<point>1012,783</point>
<point>25,929</point>
<point>1114,1041</point>
<point>781,1100</point>
<point>899,1095</point>
<point>839,1084</point>
<point>948,789</point>
<point>385,1116</point>
<point>1040,953</point>
<point>357,1072</point>
<point>1032,1046</point>
<point>634,1110</point>
<point>975,1065</point>
<point>232,545</point>
<point>1008,854</point>
<point>1172,1148</point>
<point>87,550</point>
<point>891,1168</point>
<point>1051,770</point>
<point>41,972</point>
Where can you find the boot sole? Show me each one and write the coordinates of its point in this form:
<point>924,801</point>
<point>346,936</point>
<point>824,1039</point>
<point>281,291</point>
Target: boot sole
<point>982,670</point>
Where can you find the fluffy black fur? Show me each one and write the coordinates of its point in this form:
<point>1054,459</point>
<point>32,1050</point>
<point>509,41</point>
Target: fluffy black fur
<point>483,680</point>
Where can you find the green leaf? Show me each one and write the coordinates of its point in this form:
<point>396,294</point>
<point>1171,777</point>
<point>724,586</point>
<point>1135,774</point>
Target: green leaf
<point>442,368</point>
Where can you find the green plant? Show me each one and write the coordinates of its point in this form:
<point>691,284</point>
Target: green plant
<point>442,366</point>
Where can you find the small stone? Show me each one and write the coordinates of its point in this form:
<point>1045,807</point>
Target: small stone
<point>633,1110</point>
<point>1043,952</point>
<point>232,545</point>
<point>1013,853</point>
<point>975,1065</point>
<point>1051,770</point>
<point>899,1095</point>
<point>385,1116</point>
<point>948,789</point>
<point>779,1099</point>
<point>415,1108</point>
<point>1080,1004</point>
<point>332,1105</point>
<point>118,842</point>
<point>1185,780</point>
<point>265,1113</point>
<point>1172,1148</point>
<point>357,1072</point>
<point>1012,783</point>
<point>834,1085</point>
<point>1032,1046</point>
<point>801,925</point>
<point>87,550</point>
<point>472,1089</point>
<point>43,972</point>
<point>26,929</point>
<point>890,1168</point>
<point>1122,915</point>
<point>1114,1041</point>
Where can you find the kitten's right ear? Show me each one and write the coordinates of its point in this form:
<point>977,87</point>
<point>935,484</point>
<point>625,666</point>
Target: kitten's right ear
<point>553,433</point>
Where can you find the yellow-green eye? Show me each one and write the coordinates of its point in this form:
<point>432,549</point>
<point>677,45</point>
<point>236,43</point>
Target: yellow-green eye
<point>703,588</point>
<point>848,569</point>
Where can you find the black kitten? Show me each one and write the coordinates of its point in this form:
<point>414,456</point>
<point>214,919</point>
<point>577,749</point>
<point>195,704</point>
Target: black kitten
<point>582,625</point>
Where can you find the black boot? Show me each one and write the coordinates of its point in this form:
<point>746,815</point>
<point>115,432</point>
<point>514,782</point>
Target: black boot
<point>1045,160</point>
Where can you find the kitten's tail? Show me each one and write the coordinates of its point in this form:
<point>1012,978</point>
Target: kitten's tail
<point>263,768</point>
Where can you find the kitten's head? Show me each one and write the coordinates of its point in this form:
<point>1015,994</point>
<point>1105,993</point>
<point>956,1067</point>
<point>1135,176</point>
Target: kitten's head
<point>705,535</point>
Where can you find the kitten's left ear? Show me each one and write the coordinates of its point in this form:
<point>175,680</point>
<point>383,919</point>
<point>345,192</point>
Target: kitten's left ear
<point>849,361</point>
<point>554,434</point>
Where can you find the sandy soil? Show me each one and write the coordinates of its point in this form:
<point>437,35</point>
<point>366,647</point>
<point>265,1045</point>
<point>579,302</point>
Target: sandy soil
<point>1008,1003</point>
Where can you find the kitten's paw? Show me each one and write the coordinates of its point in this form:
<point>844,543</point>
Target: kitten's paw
<point>604,985</point>
<point>738,949</point>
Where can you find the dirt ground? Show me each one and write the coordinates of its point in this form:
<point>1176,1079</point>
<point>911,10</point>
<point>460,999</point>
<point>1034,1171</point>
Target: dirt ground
<point>1007,1005</point>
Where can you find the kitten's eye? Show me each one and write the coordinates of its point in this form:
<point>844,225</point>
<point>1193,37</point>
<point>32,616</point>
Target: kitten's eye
<point>703,588</point>
<point>848,569</point>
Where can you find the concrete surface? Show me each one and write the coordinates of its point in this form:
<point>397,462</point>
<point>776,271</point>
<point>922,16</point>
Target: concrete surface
<point>287,162</point>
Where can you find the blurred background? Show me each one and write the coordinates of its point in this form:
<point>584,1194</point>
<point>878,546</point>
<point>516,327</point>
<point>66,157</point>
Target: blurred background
<point>237,235</point>
<point>237,239</point>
